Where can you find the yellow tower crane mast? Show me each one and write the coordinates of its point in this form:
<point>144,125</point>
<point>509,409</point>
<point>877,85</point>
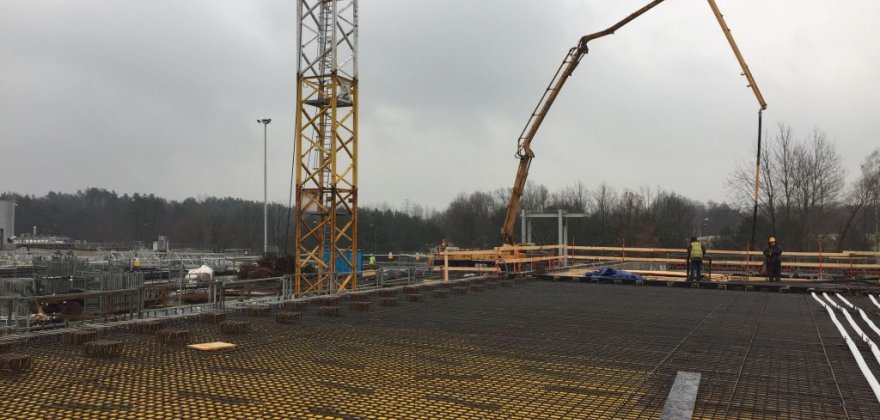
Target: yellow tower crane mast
<point>524,150</point>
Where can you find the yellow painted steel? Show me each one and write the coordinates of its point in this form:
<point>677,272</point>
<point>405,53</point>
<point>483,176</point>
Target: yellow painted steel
<point>569,63</point>
<point>513,254</point>
<point>326,184</point>
<point>739,57</point>
<point>524,149</point>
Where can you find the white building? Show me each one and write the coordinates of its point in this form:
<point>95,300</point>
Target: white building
<point>7,223</point>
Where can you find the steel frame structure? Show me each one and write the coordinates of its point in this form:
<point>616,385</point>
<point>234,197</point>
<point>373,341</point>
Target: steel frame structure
<point>326,146</point>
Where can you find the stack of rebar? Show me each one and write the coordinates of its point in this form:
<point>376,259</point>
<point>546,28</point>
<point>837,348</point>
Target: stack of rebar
<point>329,305</point>
<point>104,349</point>
<point>285,317</point>
<point>173,336</point>
<point>413,293</point>
<point>389,297</point>
<point>258,310</point>
<point>235,327</point>
<point>149,327</point>
<point>6,346</point>
<point>296,305</point>
<point>14,362</point>
<point>78,337</point>
<point>212,317</point>
<point>360,301</point>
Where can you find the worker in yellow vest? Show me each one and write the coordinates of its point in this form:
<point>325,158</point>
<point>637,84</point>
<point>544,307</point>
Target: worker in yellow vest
<point>696,251</point>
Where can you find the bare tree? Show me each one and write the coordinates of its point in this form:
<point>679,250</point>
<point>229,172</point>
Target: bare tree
<point>633,219</point>
<point>865,191</point>
<point>675,218</point>
<point>604,200</point>
<point>800,183</point>
<point>574,197</point>
<point>535,197</point>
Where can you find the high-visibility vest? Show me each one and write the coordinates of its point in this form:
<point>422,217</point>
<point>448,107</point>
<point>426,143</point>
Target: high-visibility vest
<point>696,250</point>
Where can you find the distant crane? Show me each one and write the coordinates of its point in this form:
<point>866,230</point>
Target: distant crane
<point>569,63</point>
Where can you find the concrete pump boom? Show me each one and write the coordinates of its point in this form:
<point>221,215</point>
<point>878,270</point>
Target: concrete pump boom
<point>524,150</point>
<point>752,84</point>
<point>569,63</point>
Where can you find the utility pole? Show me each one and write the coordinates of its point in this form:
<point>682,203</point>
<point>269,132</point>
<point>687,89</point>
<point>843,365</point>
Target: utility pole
<point>265,122</point>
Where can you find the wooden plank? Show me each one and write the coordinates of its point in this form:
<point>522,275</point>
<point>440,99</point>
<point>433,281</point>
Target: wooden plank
<point>519,248</point>
<point>515,248</point>
<point>614,258</point>
<point>212,346</point>
<point>477,269</point>
<point>828,255</point>
<point>532,259</point>
<point>656,273</point>
<point>863,253</point>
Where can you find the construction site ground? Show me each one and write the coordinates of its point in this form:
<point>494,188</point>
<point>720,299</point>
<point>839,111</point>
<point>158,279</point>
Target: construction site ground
<point>557,350</point>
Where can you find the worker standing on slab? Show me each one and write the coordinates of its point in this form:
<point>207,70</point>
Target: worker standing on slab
<point>696,251</point>
<point>773,260</point>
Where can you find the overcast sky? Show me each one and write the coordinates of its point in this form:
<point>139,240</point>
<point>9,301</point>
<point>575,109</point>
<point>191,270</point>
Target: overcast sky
<point>162,96</point>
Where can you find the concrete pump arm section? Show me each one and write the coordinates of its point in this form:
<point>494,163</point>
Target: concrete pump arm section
<point>569,63</point>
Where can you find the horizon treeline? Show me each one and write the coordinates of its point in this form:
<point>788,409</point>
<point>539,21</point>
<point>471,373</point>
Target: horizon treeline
<point>804,201</point>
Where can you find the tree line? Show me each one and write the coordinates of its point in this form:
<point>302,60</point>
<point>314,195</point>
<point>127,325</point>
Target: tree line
<point>803,199</point>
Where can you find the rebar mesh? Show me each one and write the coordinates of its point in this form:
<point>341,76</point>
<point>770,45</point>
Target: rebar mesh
<point>531,351</point>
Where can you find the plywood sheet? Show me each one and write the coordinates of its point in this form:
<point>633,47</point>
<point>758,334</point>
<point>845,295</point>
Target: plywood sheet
<point>212,346</point>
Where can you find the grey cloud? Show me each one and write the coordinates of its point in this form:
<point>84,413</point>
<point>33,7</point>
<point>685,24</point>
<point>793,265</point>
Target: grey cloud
<point>162,96</point>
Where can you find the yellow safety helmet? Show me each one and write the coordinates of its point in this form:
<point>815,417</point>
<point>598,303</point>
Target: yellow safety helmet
<point>772,239</point>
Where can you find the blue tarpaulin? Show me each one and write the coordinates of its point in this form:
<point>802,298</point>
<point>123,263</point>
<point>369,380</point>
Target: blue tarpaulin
<point>610,273</point>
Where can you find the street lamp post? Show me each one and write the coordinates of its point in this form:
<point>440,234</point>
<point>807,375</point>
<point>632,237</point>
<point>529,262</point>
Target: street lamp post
<point>265,122</point>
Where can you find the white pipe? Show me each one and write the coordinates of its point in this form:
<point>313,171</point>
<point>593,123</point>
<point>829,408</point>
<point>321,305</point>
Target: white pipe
<point>874,301</point>
<point>831,301</point>
<point>867,340</point>
<point>839,296</point>
<point>859,332</point>
<point>862,314</point>
<point>869,322</point>
<point>872,381</point>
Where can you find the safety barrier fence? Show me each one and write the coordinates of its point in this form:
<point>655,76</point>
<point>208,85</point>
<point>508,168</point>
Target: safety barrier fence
<point>845,264</point>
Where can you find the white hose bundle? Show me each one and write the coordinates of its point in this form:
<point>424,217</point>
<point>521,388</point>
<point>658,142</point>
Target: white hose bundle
<point>862,314</point>
<point>861,333</point>
<point>866,372</point>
